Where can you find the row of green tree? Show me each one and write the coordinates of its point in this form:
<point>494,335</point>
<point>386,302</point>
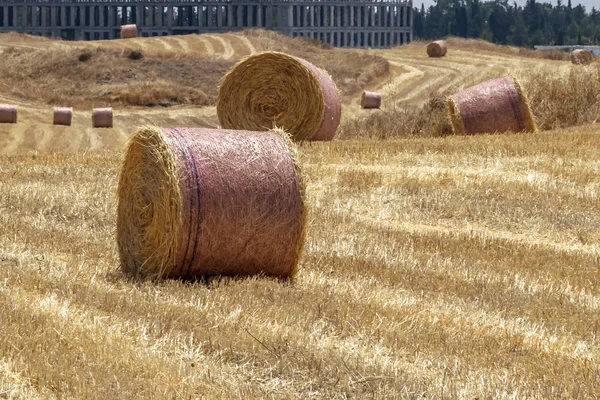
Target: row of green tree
<point>500,22</point>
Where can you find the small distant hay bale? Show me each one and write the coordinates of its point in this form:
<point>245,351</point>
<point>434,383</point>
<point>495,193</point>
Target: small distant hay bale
<point>63,116</point>
<point>8,114</point>
<point>129,31</point>
<point>437,48</point>
<point>370,100</point>
<point>102,118</point>
<point>495,105</point>
<point>581,57</point>
<point>202,202</point>
<point>272,89</point>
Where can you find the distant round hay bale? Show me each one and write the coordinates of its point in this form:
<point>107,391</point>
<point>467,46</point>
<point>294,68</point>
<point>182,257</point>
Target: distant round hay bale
<point>8,114</point>
<point>129,31</point>
<point>495,105</point>
<point>581,57</point>
<point>437,48</point>
<point>271,89</point>
<point>370,100</point>
<point>201,202</point>
<point>102,118</point>
<point>63,116</point>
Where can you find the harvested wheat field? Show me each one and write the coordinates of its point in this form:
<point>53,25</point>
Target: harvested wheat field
<point>434,265</point>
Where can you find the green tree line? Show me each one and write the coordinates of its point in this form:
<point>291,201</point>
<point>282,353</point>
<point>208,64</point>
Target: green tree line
<point>500,22</point>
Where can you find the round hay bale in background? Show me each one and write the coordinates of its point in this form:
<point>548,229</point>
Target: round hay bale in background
<point>370,100</point>
<point>271,89</point>
<point>495,105</point>
<point>202,202</point>
<point>102,118</point>
<point>63,116</point>
<point>581,57</point>
<point>437,48</point>
<point>129,31</point>
<point>8,114</point>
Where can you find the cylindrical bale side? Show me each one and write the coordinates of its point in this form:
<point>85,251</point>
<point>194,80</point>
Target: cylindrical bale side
<point>437,48</point>
<point>581,57</point>
<point>8,114</point>
<point>495,105</point>
<point>272,89</point>
<point>102,118</point>
<point>63,116</point>
<point>129,31</point>
<point>370,100</point>
<point>203,202</point>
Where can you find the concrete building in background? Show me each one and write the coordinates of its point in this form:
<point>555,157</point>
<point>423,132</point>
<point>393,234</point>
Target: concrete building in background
<point>343,23</point>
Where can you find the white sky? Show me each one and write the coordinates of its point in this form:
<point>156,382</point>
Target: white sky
<point>587,3</point>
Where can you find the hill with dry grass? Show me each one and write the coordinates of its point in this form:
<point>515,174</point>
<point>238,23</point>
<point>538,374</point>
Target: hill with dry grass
<point>435,266</point>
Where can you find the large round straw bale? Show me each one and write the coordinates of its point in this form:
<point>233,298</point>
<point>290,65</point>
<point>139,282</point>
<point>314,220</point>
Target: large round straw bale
<point>8,114</point>
<point>102,118</point>
<point>437,48</point>
<point>129,31</point>
<point>495,105</point>
<point>201,202</point>
<point>63,116</point>
<point>581,57</point>
<point>370,100</point>
<point>271,89</point>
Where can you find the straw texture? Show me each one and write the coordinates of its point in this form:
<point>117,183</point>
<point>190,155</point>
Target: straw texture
<point>63,116</point>
<point>8,114</point>
<point>495,105</point>
<point>102,118</point>
<point>370,100</point>
<point>202,202</point>
<point>272,89</point>
<point>437,48</point>
<point>581,57</point>
<point>129,31</point>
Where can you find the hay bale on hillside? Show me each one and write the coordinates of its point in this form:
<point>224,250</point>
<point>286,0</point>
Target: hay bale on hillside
<point>201,202</point>
<point>102,118</point>
<point>8,114</point>
<point>129,31</point>
<point>370,100</point>
<point>271,89</point>
<point>63,116</point>
<point>495,105</point>
<point>437,48</point>
<point>581,57</point>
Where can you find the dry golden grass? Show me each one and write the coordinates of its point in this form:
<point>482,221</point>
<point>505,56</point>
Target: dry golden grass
<point>434,267</point>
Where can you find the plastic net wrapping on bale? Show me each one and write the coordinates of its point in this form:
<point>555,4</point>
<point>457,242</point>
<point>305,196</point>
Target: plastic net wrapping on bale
<point>581,57</point>
<point>8,114</point>
<point>370,100</point>
<point>102,118</point>
<point>437,48</point>
<point>63,116</point>
<point>495,105</point>
<point>271,89</point>
<point>204,202</point>
<point>129,31</point>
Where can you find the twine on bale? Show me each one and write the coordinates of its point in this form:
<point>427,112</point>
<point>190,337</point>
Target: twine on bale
<point>204,202</point>
<point>63,116</point>
<point>129,31</point>
<point>102,118</point>
<point>370,100</point>
<point>8,114</point>
<point>495,105</point>
<point>581,57</point>
<point>272,89</point>
<point>437,48</point>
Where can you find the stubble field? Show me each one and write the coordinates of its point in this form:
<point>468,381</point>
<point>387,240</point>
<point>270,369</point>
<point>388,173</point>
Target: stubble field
<point>434,267</point>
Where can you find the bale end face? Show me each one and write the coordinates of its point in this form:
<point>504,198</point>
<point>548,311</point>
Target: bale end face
<point>202,202</point>
<point>63,116</point>
<point>129,31</point>
<point>437,48</point>
<point>102,118</point>
<point>370,100</point>
<point>581,57</point>
<point>8,114</point>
